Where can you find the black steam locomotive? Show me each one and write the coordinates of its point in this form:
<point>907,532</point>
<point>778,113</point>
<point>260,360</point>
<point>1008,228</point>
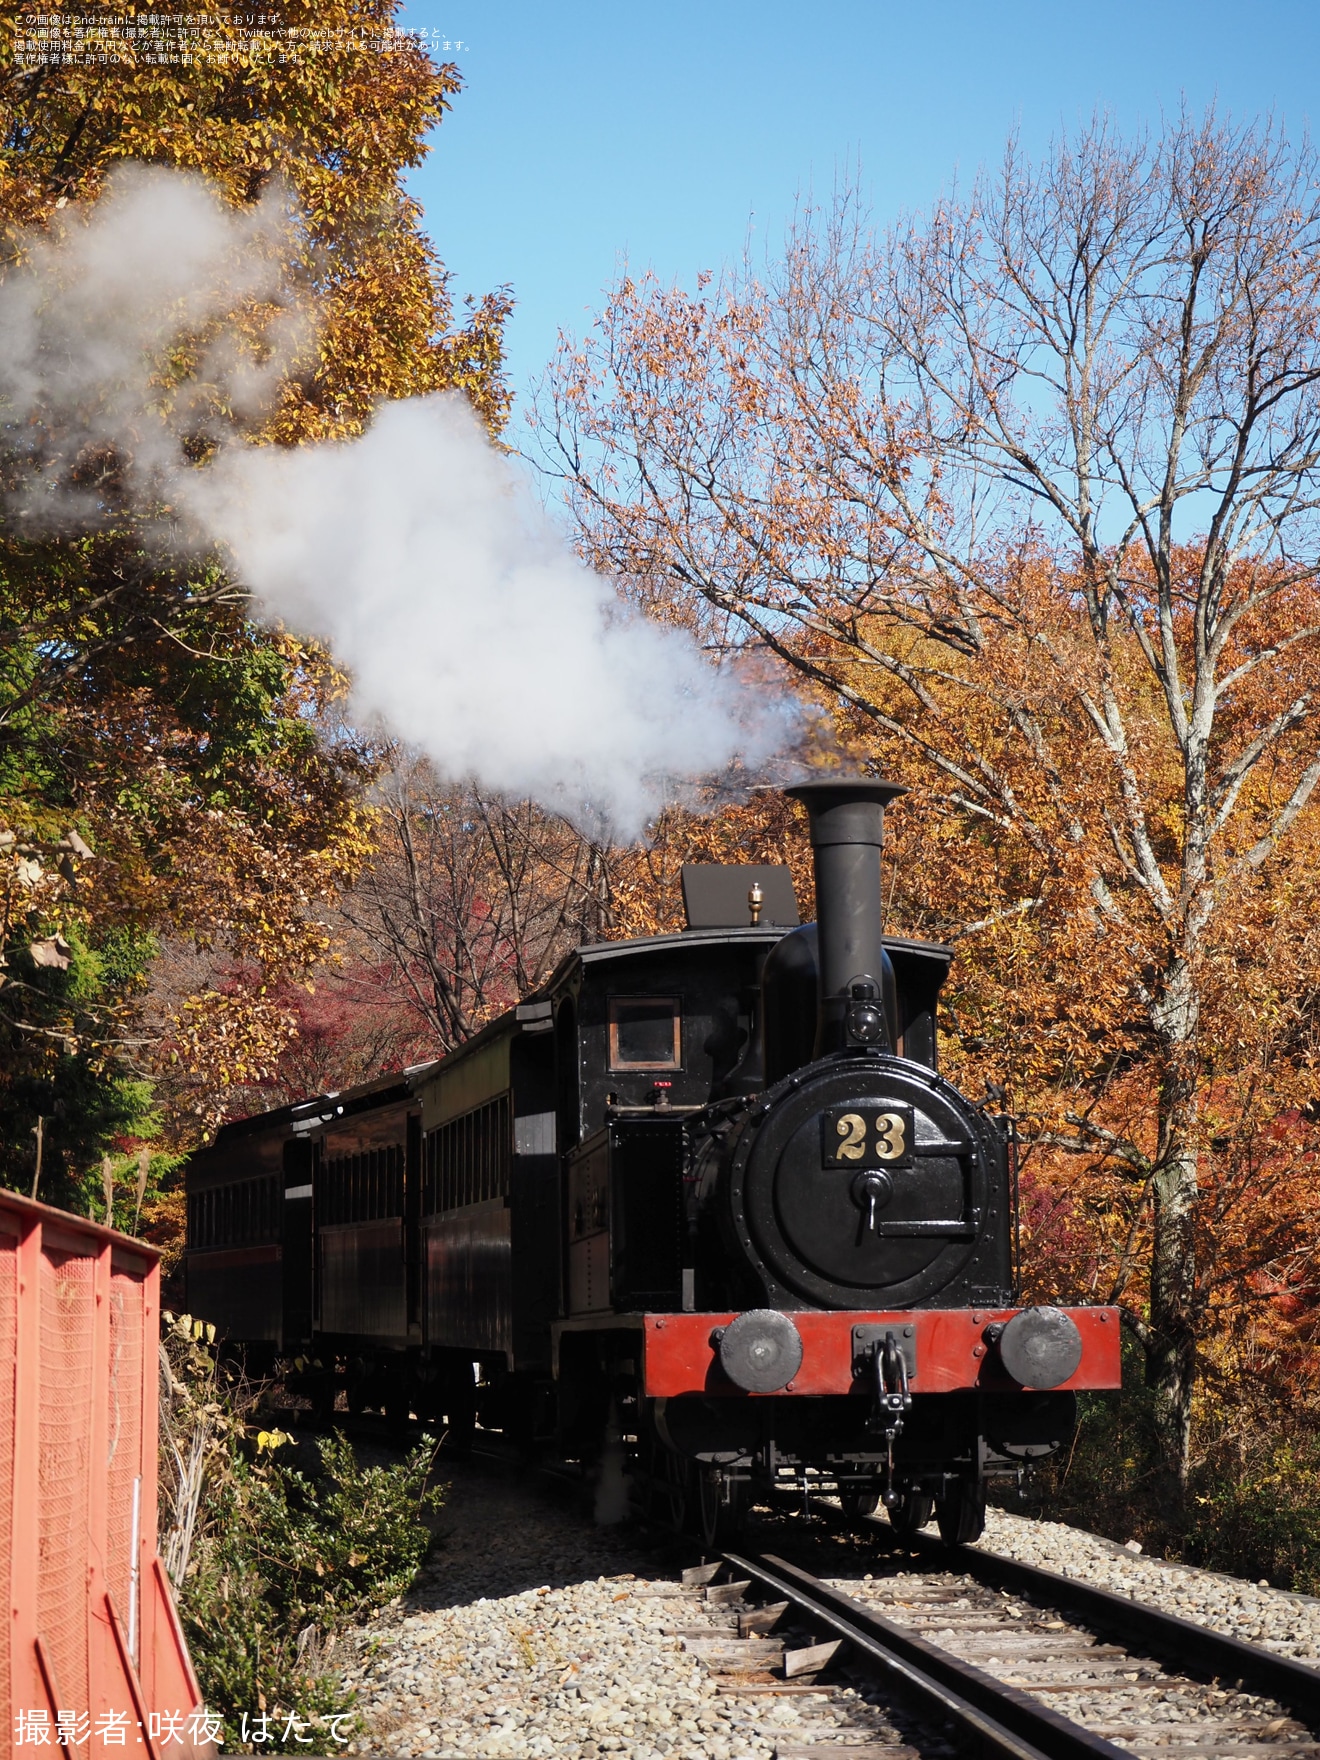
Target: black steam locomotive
<point>701,1207</point>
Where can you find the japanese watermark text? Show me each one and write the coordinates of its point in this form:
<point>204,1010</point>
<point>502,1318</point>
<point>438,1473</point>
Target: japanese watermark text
<point>168,39</point>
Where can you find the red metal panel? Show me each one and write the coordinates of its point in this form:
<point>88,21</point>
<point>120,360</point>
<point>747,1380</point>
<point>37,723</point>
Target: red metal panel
<point>104,1690</point>
<point>28,1685</point>
<point>681,1356</point>
<point>86,1633</point>
<point>67,1317</point>
<point>172,1681</point>
<point>8,1375</point>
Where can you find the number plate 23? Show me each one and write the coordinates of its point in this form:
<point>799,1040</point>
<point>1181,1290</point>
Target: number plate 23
<point>867,1136</point>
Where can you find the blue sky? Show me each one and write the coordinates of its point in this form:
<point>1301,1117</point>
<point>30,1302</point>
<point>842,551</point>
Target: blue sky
<point>589,133</point>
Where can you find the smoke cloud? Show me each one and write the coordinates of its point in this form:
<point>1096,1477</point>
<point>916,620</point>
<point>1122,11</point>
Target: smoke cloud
<point>417,553</point>
<point>117,330</point>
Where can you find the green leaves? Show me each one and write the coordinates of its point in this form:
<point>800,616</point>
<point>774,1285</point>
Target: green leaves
<point>291,1559</point>
<point>342,1544</point>
<point>138,697</point>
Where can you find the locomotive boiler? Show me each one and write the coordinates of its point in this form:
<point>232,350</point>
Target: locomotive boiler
<point>702,1206</point>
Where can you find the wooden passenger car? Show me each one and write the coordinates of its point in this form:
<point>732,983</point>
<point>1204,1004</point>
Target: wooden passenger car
<point>426,1221</point>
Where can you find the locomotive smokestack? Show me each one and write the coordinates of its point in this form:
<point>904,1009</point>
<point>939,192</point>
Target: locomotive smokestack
<point>847,822</point>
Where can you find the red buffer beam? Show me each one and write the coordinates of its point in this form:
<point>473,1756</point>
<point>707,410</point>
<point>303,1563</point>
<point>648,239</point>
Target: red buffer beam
<point>955,1349</point>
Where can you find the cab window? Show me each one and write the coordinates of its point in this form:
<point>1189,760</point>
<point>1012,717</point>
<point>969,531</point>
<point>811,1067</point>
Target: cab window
<point>645,1032</point>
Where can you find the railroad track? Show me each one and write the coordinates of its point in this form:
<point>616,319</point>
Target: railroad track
<point>997,1670</point>
<point>995,1657</point>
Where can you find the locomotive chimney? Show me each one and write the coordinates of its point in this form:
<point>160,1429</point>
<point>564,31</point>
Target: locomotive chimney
<point>847,820</point>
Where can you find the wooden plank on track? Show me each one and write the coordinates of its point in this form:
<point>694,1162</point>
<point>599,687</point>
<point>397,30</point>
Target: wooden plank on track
<point>780,1689</point>
<point>698,1575</point>
<point>846,1751</point>
<point>721,1594</point>
<point>811,1658</point>
<point>730,1653</point>
<point>762,1619</point>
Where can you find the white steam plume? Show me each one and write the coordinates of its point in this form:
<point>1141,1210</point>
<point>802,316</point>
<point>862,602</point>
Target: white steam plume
<point>416,553</point>
<point>89,311</point>
<point>421,560</point>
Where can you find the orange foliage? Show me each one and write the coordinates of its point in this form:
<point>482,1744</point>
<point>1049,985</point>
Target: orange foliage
<point>940,478</point>
<point>137,701</point>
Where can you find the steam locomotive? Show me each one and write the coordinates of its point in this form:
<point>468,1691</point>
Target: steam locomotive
<point>702,1206</point>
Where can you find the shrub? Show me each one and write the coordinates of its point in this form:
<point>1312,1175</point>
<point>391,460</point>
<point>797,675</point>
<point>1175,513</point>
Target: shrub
<point>1264,1519</point>
<point>1253,1496</point>
<point>336,1547</point>
<point>270,1561</point>
<point>1106,1479</point>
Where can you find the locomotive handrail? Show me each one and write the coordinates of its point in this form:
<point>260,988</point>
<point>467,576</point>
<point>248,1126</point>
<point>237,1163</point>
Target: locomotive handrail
<point>954,1228</point>
<point>614,1110</point>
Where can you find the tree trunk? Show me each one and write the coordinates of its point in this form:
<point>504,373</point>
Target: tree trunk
<point>1171,1354</point>
<point>1171,1346</point>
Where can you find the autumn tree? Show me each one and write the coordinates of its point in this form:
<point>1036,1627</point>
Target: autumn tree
<point>1027,490</point>
<point>469,902</point>
<point>166,773</point>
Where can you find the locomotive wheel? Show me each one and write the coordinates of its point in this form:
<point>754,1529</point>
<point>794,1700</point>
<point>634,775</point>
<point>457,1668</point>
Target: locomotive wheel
<point>397,1403</point>
<point>459,1397</point>
<point>960,1516</point>
<point>461,1429</point>
<point>719,1520</point>
<point>912,1514</point>
<point>858,1501</point>
<point>358,1378</point>
<point>669,1490</point>
<point>322,1391</point>
<point>675,1491</point>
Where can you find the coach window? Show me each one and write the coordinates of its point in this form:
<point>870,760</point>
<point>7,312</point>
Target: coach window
<point>645,1032</point>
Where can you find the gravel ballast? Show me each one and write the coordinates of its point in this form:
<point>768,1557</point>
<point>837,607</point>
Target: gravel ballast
<point>1286,1623</point>
<point>530,1633</point>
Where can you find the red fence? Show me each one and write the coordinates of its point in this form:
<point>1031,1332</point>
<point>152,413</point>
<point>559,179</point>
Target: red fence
<point>92,1659</point>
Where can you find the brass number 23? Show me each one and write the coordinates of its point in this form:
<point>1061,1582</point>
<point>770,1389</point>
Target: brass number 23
<point>890,1131</point>
<point>852,1128</point>
<point>891,1136</point>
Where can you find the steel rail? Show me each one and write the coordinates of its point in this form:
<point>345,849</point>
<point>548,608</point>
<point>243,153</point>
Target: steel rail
<point>1000,1722</point>
<point>1197,1649</point>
